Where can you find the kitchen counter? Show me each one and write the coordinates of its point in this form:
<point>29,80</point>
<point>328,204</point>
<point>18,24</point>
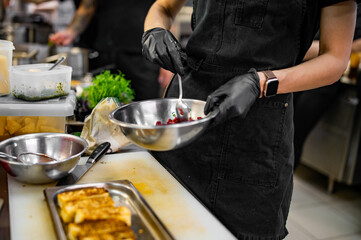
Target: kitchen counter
<point>183,215</point>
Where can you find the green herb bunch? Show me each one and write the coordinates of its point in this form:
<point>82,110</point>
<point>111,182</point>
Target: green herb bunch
<point>109,85</point>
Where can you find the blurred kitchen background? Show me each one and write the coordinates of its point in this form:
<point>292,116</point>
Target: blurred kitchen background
<point>28,25</point>
<point>327,195</point>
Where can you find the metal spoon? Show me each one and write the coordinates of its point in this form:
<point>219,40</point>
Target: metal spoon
<point>182,108</point>
<point>59,61</point>
<point>28,157</point>
<point>2,154</point>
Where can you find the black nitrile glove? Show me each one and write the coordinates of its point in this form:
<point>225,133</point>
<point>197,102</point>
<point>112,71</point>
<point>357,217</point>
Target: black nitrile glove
<point>161,47</point>
<point>235,97</point>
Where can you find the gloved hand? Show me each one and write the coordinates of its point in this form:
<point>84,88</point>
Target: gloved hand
<point>161,47</point>
<point>235,97</point>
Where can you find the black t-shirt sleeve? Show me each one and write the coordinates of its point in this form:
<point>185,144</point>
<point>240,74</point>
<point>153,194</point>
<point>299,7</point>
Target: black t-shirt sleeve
<point>325,3</point>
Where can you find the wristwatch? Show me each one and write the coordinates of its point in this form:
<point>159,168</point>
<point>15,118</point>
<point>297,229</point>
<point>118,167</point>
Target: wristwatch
<point>271,84</point>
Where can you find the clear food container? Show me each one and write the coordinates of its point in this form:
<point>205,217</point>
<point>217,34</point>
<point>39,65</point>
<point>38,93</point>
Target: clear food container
<point>18,117</point>
<point>6,55</point>
<point>35,82</point>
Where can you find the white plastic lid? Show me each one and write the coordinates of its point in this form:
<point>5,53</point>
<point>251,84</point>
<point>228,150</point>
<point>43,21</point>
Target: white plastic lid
<point>6,45</point>
<point>39,69</point>
<point>55,107</point>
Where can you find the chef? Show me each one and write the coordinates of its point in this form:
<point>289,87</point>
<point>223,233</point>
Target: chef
<point>112,28</point>
<point>245,58</point>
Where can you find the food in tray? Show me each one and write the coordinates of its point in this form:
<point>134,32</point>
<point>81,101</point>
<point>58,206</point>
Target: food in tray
<point>100,230</point>
<point>69,208</point>
<point>112,236</point>
<point>77,195</point>
<point>90,213</point>
<point>117,213</point>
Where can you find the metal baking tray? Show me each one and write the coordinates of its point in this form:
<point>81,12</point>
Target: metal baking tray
<point>145,224</point>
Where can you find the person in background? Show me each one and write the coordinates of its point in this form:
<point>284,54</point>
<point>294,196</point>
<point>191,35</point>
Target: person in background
<point>113,28</point>
<point>3,6</point>
<point>244,58</point>
<point>312,104</point>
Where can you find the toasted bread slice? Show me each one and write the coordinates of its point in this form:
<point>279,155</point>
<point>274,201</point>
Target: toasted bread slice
<point>69,208</point>
<point>97,228</point>
<point>92,214</point>
<point>78,194</point>
<point>128,235</point>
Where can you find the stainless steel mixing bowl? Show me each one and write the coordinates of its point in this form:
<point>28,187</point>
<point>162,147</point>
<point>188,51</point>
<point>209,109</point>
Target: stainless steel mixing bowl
<point>65,148</point>
<point>137,121</point>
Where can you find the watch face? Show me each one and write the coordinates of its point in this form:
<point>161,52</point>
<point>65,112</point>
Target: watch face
<point>272,87</point>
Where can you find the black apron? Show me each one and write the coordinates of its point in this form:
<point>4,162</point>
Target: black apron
<point>116,32</point>
<point>242,170</point>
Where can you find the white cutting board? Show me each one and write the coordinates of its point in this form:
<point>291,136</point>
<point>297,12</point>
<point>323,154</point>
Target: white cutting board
<point>179,211</point>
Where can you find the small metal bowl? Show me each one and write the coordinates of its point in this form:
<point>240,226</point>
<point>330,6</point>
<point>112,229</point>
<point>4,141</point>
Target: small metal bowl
<point>137,121</point>
<point>66,148</point>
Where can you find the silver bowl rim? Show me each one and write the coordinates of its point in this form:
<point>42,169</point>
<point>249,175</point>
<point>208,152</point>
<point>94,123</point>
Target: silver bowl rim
<point>49,134</point>
<point>208,117</point>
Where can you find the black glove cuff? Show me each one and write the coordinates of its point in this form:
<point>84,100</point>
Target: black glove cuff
<point>256,79</point>
<point>149,31</point>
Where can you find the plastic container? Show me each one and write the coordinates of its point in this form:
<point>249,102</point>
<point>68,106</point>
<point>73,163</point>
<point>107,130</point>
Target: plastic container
<point>19,117</point>
<point>33,82</point>
<point>6,56</point>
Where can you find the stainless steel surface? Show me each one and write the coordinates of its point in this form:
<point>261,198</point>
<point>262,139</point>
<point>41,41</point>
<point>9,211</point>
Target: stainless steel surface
<point>332,146</point>
<point>77,58</point>
<point>2,154</point>
<point>59,61</point>
<point>29,53</point>
<point>24,57</point>
<point>137,121</point>
<point>66,148</point>
<point>29,157</point>
<point>32,158</point>
<point>80,170</point>
<point>20,33</point>
<point>182,109</point>
<point>14,32</point>
<point>145,223</point>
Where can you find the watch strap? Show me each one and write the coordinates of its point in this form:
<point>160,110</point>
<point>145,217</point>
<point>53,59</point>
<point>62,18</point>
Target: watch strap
<point>269,76</point>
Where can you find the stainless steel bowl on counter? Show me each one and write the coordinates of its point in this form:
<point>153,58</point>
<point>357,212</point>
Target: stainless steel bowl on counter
<point>138,120</point>
<point>65,148</point>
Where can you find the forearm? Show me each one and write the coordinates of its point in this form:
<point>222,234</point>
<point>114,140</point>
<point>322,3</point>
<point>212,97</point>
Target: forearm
<point>320,71</point>
<point>162,14</point>
<point>312,51</point>
<point>83,16</point>
<point>336,33</point>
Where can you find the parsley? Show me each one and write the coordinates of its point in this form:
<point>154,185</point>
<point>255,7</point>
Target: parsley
<point>109,85</point>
